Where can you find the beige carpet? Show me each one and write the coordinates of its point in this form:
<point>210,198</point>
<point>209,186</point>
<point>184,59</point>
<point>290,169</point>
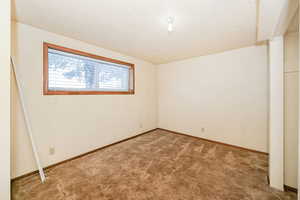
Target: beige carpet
<point>156,166</point>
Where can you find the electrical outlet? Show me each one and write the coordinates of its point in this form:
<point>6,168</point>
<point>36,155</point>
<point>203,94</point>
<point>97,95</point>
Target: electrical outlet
<point>51,150</point>
<point>202,130</point>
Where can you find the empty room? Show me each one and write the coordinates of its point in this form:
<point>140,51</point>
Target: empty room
<point>149,100</point>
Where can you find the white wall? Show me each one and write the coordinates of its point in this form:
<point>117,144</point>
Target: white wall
<point>78,123</point>
<point>226,94</point>
<point>5,100</point>
<point>291,78</point>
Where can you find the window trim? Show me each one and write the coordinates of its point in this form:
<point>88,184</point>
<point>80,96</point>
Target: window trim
<point>46,90</point>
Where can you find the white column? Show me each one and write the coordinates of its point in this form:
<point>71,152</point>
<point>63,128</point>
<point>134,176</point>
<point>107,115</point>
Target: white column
<point>299,117</point>
<point>276,114</point>
<point>5,100</point>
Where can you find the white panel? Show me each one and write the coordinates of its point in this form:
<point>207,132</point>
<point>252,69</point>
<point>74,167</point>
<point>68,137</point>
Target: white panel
<point>276,114</point>
<point>291,129</point>
<point>291,109</point>
<point>298,118</point>
<point>5,100</point>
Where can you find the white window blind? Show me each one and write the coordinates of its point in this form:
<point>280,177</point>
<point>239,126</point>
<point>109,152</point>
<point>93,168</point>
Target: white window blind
<point>71,72</point>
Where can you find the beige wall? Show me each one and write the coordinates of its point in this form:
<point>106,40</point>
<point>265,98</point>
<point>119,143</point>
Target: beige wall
<point>222,97</point>
<point>5,100</point>
<point>291,77</point>
<point>73,124</point>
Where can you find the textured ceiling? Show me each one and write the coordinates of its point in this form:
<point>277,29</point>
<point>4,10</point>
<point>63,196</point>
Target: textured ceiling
<point>139,27</point>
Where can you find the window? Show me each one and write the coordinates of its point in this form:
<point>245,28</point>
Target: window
<point>68,71</point>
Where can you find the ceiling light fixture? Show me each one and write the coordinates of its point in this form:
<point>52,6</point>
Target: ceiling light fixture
<point>170,23</point>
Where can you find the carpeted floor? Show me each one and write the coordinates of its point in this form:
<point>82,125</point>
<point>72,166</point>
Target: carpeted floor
<point>156,166</point>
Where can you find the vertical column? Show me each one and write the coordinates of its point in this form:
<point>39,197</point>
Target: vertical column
<point>299,115</point>
<point>276,112</point>
<point>5,100</point>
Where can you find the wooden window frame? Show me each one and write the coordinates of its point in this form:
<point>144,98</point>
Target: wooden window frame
<point>46,90</point>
